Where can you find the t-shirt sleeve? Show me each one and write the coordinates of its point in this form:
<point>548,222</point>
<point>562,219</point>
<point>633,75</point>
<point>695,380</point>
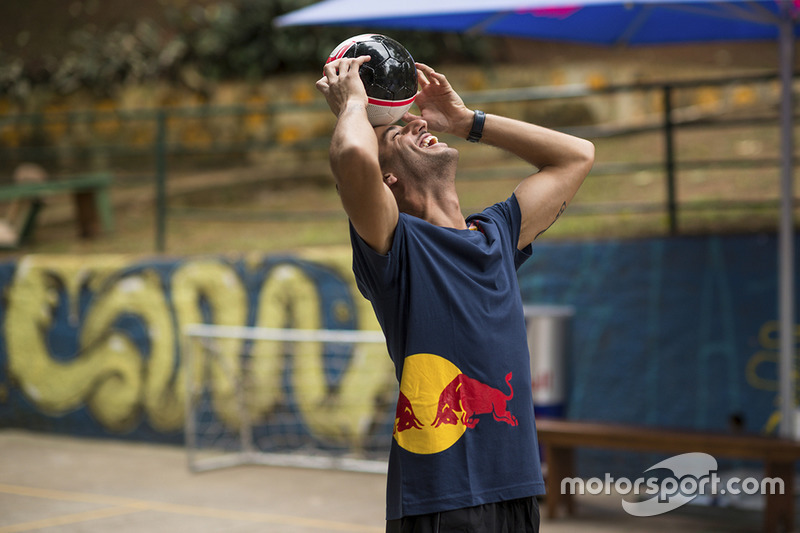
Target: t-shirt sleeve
<point>520,256</point>
<point>508,215</point>
<point>375,272</point>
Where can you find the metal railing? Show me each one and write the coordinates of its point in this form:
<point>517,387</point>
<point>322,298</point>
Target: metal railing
<point>150,145</point>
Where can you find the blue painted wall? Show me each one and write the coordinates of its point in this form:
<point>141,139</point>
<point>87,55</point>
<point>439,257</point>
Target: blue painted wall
<point>677,332</point>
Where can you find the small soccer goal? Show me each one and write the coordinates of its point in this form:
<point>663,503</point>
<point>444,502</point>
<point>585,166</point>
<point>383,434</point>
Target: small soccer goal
<point>288,397</point>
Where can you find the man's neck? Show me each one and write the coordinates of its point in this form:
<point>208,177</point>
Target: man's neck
<point>440,210</point>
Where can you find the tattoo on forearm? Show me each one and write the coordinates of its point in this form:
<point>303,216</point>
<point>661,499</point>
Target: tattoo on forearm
<point>563,207</point>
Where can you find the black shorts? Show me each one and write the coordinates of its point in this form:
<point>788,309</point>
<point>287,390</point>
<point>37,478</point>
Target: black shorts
<point>513,516</point>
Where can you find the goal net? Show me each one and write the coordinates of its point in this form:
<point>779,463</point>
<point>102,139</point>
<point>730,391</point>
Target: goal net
<point>288,397</point>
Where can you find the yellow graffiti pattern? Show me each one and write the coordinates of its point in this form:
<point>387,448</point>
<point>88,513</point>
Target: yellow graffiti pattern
<point>761,369</point>
<point>121,381</point>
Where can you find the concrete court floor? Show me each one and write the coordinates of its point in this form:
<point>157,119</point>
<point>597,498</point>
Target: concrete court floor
<point>60,484</point>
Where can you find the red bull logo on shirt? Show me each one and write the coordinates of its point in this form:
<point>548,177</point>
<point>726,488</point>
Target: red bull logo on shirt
<point>404,417</point>
<point>470,397</point>
<point>438,403</point>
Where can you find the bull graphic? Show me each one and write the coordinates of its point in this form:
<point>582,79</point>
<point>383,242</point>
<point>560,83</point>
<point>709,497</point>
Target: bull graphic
<point>404,417</point>
<point>470,397</point>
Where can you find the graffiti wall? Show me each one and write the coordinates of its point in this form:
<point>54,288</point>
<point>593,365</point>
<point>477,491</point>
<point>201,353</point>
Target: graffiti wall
<point>667,332</point>
<point>92,345</point>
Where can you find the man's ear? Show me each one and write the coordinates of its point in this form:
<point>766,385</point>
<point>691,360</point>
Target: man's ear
<point>389,179</point>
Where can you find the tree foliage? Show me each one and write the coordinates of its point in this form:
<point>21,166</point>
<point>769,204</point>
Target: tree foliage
<point>196,44</point>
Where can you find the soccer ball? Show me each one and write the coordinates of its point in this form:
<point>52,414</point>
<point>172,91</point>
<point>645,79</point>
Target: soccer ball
<point>390,76</point>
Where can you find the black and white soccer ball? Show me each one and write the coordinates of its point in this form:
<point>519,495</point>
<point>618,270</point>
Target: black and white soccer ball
<point>390,76</point>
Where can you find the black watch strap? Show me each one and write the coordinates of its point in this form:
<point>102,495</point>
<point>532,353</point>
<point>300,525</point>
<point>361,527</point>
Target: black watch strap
<point>476,132</point>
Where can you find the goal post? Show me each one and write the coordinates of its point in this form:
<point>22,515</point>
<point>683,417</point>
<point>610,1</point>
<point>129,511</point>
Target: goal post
<point>287,397</point>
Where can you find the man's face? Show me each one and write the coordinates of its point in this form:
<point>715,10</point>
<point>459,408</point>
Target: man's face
<point>411,149</point>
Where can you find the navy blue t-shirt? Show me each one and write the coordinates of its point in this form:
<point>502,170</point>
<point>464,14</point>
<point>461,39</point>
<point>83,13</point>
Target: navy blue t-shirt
<point>449,304</point>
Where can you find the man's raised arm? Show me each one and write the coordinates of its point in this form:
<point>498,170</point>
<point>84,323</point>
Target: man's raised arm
<point>563,160</point>
<point>367,201</point>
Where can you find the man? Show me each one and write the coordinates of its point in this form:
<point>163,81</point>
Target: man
<point>464,454</point>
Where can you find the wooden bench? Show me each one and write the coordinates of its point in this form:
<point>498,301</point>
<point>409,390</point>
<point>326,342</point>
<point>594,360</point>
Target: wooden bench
<point>90,195</point>
<point>559,439</point>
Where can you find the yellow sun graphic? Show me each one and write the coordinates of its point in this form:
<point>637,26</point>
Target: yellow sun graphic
<point>425,377</point>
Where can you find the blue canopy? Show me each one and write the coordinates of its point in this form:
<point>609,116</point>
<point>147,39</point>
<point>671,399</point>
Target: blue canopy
<point>606,22</point>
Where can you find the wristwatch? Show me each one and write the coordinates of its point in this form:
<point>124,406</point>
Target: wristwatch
<point>476,132</point>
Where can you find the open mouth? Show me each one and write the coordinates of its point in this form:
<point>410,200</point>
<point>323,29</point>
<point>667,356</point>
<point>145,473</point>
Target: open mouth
<point>428,141</point>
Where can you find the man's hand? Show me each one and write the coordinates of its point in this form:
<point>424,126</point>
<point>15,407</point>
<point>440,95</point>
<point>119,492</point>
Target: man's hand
<point>440,106</point>
<point>341,83</point>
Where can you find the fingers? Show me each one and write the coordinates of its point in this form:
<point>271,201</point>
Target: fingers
<point>343,66</point>
<point>428,76</point>
<point>422,74</point>
<point>330,70</point>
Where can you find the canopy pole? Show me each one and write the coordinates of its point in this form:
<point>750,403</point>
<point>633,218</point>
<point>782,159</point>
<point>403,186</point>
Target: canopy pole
<point>786,310</point>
